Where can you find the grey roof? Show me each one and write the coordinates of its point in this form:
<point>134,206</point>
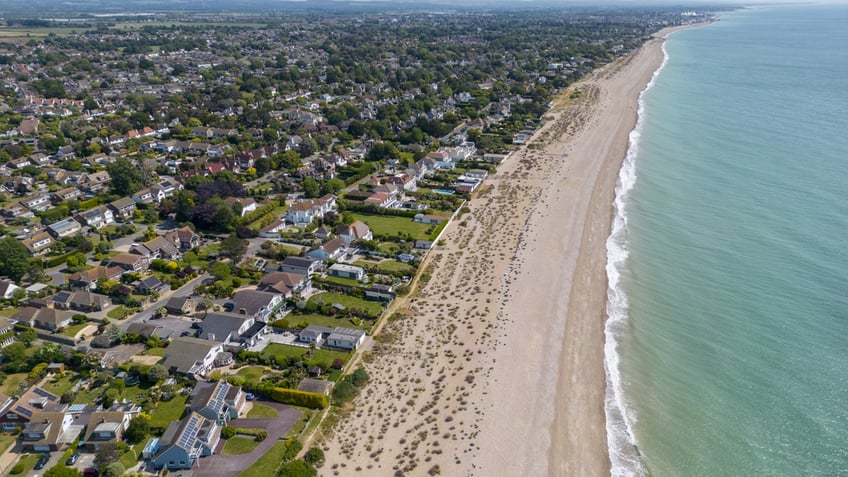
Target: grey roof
<point>222,325</point>
<point>251,301</point>
<point>298,262</point>
<point>210,395</point>
<point>183,353</point>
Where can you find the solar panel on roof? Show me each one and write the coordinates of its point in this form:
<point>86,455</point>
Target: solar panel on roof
<point>26,412</point>
<point>62,296</point>
<point>44,393</point>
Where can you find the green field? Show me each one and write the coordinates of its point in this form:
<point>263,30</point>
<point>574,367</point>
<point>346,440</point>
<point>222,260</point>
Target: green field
<point>253,374</point>
<point>118,313</point>
<point>390,226</point>
<point>9,312</point>
<point>323,320</point>
<point>12,384</point>
<point>262,411</point>
<point>61,385</point>
<point>282,352</point>
<point>350,302</point>
<point>71,331</point>
<point>268,463</point>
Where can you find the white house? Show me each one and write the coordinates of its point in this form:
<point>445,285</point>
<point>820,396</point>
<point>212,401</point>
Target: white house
<point>304,211</point>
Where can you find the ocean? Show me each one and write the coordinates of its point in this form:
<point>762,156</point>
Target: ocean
<point>727,335</point>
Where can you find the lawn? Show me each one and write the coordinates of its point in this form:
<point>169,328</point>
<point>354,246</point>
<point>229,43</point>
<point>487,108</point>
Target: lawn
<point>268,463</point>
<point>168,411</point>
<point>61,385</point>
<point>252,373</point>
<point>262,411</point>
<point>155,352</point>
<point>350,302</point>
<point>29,460</point>
<point>7,440</point>
<point>239,445</point>
<point>282,352</point>
<point>395,266</point>
<point>129,458</point>
<point>389,226</point>
<point>12,384</point>
<point>71,331</point>
<point>324,320</point>
<point>118,313</point>
<point>349,282</point>
<point>9,312</point>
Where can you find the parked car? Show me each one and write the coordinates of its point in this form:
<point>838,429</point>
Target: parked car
<point>250,396</point>
<point>42,461</point>
<point>72,459</point>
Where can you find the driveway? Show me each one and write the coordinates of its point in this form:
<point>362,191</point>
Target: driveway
<point>232,465</point>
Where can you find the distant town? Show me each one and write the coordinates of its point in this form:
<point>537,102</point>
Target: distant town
<point>206,216</point>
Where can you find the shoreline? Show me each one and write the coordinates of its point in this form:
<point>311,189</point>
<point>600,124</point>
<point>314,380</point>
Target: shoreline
<point>489,368</point>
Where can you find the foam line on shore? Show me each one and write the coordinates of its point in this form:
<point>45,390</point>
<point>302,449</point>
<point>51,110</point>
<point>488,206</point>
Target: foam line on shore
<point>620,417</point>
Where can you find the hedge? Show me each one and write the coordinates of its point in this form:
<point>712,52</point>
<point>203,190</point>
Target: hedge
<point>375,210</point>
<point>299,398</point>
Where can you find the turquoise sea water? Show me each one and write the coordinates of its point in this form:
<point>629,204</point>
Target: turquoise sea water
<point>727,344</point>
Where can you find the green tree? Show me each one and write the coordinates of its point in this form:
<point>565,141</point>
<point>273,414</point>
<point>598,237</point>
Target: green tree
<point>114,469</point>
<point>126,177</point>
<point>220,270</point>
<point>157,373</point>
<point>296,468</point>
<point>139,428</point>
<point>311,187</point>
<point>14,259</point>
<point>233,247</point>
<point>26,337</point>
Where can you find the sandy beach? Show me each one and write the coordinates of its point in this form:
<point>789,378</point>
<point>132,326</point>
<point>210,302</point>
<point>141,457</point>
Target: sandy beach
<point>495,364</point>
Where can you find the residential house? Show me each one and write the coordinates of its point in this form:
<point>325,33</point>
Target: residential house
<point>405,182</point>
<point>64,228</point>
<point>159,247</point>
<point>258,304</point>
<point>130,262</point>
<point>145,196</point>
<point>95,182</point>
<point>180,305</point>
<point>123,208</point>
<point>148,285</point>
<point>79,300</point>
<point>49,431</point>
<point>97,217</point>
<point>106,428</point>
<point>285,283</point>
<point>338,337</point>
<point>305,211</point>
<point>184,238</point>
<point>38,244</point>
<point>7,333</point>
<point>430,219</point>
<point>68,193</point>
<point>185,441</point>
<point>273,229</point>
<point>217,401</point>
<point>344,270</point>
<point>148,330</point>
<point>300,265</point>
<point>37,203</point>
<point>247,204</point>
<point>192,356</point>
<point>19,185</point>
<point>330,250</point>
<point>17,211</point>
<point>86,280</point>
<point>231,328</point>
<point>381,199</point>
<point>44,318</point>
<point>166,188</point>
<point>7,288</point>
<point>19,413</point>
<point>355,231</point>
<point>311,385</point>
<point>323,232</point>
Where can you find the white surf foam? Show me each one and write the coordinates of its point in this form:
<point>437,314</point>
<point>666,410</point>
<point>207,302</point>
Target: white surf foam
<point>623,449</point>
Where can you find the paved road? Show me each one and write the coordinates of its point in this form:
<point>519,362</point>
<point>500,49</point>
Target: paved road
<point>233,465</point>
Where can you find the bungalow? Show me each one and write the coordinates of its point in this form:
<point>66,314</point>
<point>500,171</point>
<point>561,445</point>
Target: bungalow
<point>38,244</point>
<point>123,208</point>
<point>148,285</point>
<point>430,219</point>
<point>191,356</point>
<point>273,229</point>
<point>285,283</point>
<point>185,441</point>
<point>305,211</point>
<point>145,196</point>
<point>97,217</point>
<point>310,385</point>
<point>217,401</point>
<point>64,228</point>
<point>106,428</point>
<point>355,231</point>
<point>95,182</point>
<point>180,305</point>
<point>338,337</point>
<point>159,247</point>
<point>258,304</point>
<point>246,204</point>
<point>44,318</point>
<point>49,431</point>
<point>130,262</point>
<point>86,280</point>
<point>68,193</point>
<point>330,250</point>
<point>323,232</point>
<point>300,265</point>
<point>37,203</point>
<point>19,413</point>
<point>79,300</point>
<point>343,270</point>
<point>184,238</point>
<point>17,211</point>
